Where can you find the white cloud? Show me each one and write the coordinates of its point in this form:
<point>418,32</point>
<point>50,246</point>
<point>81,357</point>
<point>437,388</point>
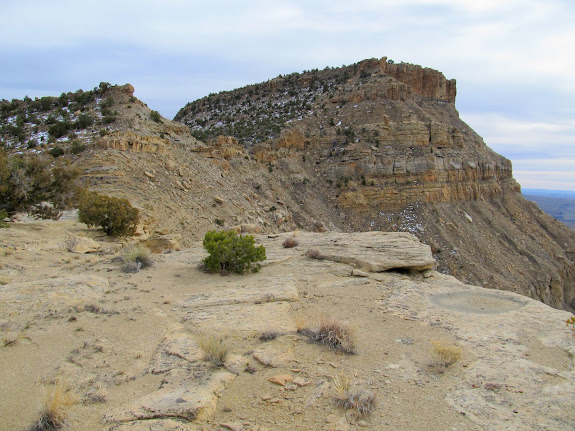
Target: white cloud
<point>535,179</point>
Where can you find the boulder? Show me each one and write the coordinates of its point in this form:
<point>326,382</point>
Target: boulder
<point>372,251</point>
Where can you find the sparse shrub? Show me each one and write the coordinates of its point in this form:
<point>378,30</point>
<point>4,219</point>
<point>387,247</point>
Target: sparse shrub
<point>214,348</point>
<point>332,333</point>
<point>136,258</point>
<point>77,147</point>
<point>290,242</point>
<point>270,334</point>
<point>155,116</point>
<point>26,181</point>
<point>313,253</point>
<point>108,119</point>
<point>46,212</point>
<point>54,414</point>
<point>230,252</point>
<point>444,355</point>
<point>58,129</point>
<point>115,215</point>
<point>56,152</point>
<point>359,399</point>
<point>83,121</point>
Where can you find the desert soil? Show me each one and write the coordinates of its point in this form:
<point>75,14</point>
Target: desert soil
<point>127,343</point>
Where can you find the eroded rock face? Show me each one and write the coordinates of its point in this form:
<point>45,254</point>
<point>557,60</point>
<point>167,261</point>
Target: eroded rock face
<point>134,142</point>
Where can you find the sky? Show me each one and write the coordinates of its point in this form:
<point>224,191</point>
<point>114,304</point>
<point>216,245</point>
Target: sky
<point>514,60</point>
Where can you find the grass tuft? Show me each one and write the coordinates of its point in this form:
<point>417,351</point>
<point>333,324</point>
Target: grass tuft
<point>290,242</point>
<point>444,355</point>
<point>214,348</point>
<point>57,402</point>
<point>270,334</point>
<point>136,258</point>
<point>313,253</point>
<point>332,333</point>
<point>361,400</point>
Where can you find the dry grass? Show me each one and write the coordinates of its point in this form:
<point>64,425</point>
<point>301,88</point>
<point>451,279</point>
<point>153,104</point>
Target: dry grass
<point>136,258</point>
<point>331,332</point>
<point>270,334</point>
<point>10,339</point>
<point>71,242</point>
<point>444,354</point>
<point>571,323</point>
<point>214,348</point>
<point>313,253</point>
<point>56,404</point>
<point>290,242</point>
<point>346,397</point>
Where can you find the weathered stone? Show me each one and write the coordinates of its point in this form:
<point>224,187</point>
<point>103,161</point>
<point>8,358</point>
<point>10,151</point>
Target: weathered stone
<point>281,379</point>
<point>276,353</point>
<point>161,243</point>
<point>188,399</point>
<point>373,251</point>
<point>82,245</point>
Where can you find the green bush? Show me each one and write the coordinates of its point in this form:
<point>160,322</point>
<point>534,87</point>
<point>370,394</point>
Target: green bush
<point>155,116</point>
<point>115,215</point>
<point>28,180</point>
<point>56,152</point>
<point>59,129</point>
<point>232,253</point>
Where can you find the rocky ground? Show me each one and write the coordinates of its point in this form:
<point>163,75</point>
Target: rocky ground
<point>128,344</point>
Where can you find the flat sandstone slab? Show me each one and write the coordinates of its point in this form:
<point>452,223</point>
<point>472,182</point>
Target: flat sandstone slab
<point>371,251</point>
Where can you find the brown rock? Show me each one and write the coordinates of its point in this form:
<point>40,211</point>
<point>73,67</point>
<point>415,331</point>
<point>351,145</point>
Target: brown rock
<point>281,379</point>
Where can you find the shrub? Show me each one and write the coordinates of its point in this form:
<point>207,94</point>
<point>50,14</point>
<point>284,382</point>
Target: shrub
<point>361,400</point>
<point>115,215</point>
<point>26,181</point>
<point>214,348</point>
<point>54,413</point>
<point>444,355</point>
<point>136,258</point>
<point>332,333</point>
<point>77,147</point>
<point>155,116</point>
<point>58,129</point>
<point>83,121</point>
<point>290,242</point>
<point>56,152</point>
<point>230,252</point>
<point>269,334</point>
<point>313,253</point>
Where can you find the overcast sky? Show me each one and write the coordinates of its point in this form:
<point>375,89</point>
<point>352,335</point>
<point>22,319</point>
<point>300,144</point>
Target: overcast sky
<point>514,60</point>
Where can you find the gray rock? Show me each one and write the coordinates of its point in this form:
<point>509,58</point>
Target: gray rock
<point>372,251</point>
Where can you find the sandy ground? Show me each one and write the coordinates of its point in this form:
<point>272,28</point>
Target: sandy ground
<point>103,340</point>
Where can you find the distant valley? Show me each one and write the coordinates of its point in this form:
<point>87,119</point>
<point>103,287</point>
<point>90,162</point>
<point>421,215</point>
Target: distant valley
<point>558,203</point>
